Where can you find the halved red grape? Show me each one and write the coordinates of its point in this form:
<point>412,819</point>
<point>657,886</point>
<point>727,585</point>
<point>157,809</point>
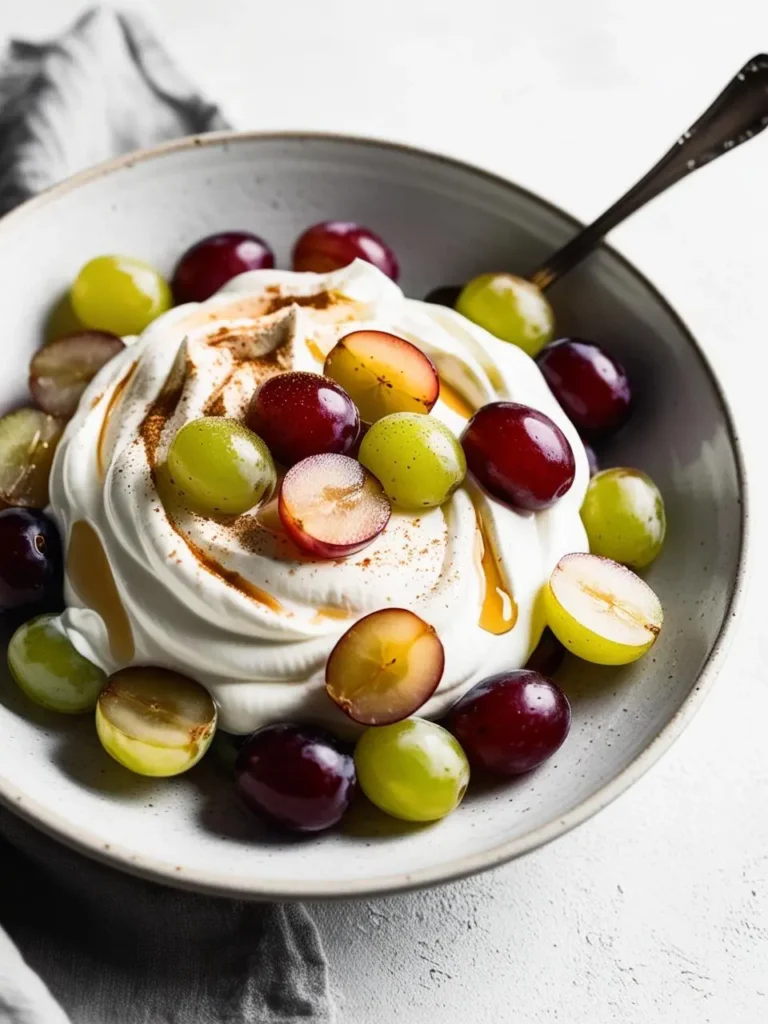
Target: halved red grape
<point>332,506</point>
<point>383,373</point>
<point>30,557</point>
<point>511,722</point>
<point>296,776</point>
<point>301,414</point>
<point>210,263</point>
<point>385,667</point>
<point>28,440</point>
<point>60,372</point>
<point>335,243</point>
<point>519,455</point>
<point>591,386</point>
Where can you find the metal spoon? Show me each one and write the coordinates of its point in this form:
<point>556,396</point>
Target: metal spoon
<point>738,114</point>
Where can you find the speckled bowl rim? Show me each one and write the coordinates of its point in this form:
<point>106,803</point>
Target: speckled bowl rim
<point>235,886</point>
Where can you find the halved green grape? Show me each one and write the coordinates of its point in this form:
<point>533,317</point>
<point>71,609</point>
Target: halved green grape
<point>119,294</point>
<point>511,308</point>
<point>50,671</point>
<point>218,465</point>
<point>28,440</point>
<point>155,722</point>
<point>413,769</point>
<point>623,514</point>
<point>601,611</point>
<point>417,459</point>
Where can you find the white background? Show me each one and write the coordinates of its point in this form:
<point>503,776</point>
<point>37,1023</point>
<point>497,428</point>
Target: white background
<point>656,911</point>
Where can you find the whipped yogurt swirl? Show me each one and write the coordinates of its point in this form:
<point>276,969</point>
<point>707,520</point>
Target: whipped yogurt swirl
<point>232,603</point>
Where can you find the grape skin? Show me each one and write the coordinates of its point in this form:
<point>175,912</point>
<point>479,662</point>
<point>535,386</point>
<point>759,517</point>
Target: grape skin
<point>417,459</point>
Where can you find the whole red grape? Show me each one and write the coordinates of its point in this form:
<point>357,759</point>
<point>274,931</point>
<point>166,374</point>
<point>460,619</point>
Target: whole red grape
<point>300,414</point>
<point>518,455</point>
<point>336,243</point>
<point>30,557</point>
<point>296,776</point>
<point>210,263</point>
<point>511,722</point>
<point>591,386</point>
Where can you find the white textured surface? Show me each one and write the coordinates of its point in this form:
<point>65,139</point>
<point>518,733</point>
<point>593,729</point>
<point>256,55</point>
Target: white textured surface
<point>658,909</point>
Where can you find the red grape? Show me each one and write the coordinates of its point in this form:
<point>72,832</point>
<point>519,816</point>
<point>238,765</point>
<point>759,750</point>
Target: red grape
<point>591,386</point>
<point>30,557</point>
<point>61,371</point>
<point>297,776</point>
<point>511,722</point>
<point>594,465</point>
<point>547,656</point>
<point>446,295</point>
<point>335,243</point>
<point>210,263</point>
<point>331,506</point>
<point>519,455</point>
<point>301,414</point>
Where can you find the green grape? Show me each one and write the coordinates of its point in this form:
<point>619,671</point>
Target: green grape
<point>623,514</point>
<point>413,769</point>
<point>218,465</point>
<point>417,459</point>
<point>155,722</point>
<point>601,611</point>
<point>119,294</point>
<point>511,308</point>
<point>50,671</point>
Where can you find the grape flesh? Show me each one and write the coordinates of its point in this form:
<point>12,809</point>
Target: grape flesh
<point>119,294</point>
<point>417,459</point>
<point>414,770</point>
<point>155,722</point>
<point>28,440</point>
<point>50,671</point>
<point>30,558</point>
<point>519,455</point>
<point>601,611</point>
<point>208,264</point>
<point>511,722</point>
<point>591,386</point>
<point>623,514</point>
<point>60,372</point>
<point>301,414</point>
<point>511,308</point>
<point>298,777</point>
<point>336,243</point>
<point>385,667</point>
<point>217,465</point>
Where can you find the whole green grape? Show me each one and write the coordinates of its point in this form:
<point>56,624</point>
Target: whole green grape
<point>417,459</point>
<point>623,514</point>
<point>119,294</point>
<point>50,671</point>
<point>414,769</point>
<point>510,307</point>
<point>218,465</point>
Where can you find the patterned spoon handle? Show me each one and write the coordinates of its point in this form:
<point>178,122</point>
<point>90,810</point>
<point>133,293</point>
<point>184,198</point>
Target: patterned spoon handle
<point>738,114</point>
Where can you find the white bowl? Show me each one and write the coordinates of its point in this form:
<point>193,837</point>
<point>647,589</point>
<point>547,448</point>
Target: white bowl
<point>446,222</point>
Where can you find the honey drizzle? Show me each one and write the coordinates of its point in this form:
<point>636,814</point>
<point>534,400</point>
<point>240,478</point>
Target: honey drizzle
<point>232,578</point>
<point>117,393</point>
<point>91,577</point>
<point>324,614</point>
<point>455,401</point>
<point>314,350</point>
<point>498,612</point>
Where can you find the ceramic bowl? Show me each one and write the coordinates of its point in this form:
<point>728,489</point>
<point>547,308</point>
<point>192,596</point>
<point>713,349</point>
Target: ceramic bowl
<point>447,222</point>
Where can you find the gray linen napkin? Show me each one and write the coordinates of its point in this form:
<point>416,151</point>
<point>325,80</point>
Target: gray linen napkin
<point>113,949</point>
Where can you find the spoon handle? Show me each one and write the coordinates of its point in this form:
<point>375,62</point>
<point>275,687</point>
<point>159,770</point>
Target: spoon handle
<point>738,114</point>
